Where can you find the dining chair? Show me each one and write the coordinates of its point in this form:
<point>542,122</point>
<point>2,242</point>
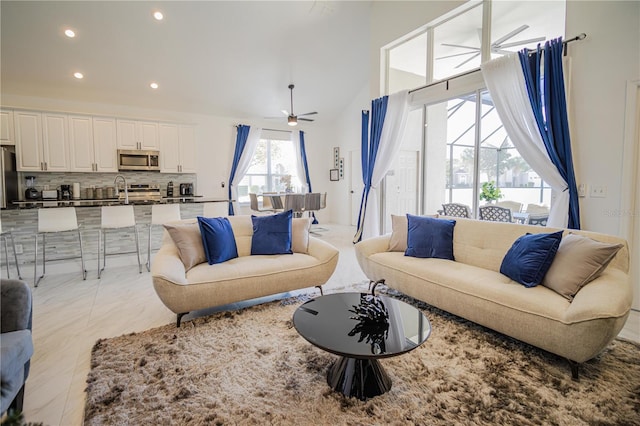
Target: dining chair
<point>116,218</point>
<point>161,214</point>
<point>5,236</point>
<point>294,202</point>
<point>255,203</point>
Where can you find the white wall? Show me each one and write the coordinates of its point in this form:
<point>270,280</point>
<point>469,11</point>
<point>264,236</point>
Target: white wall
<point>601,66</point>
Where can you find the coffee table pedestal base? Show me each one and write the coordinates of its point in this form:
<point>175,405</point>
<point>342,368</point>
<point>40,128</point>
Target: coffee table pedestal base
<point>359,378</point>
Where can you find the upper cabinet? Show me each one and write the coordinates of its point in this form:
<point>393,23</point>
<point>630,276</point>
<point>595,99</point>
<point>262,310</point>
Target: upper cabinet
<point>137,134</point>
<point>7,135</point>
<point>93,144</point>
<point>177,148</point>
<point>41,141</point>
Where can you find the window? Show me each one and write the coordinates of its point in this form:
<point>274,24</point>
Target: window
<point>465,144</point>
<point>273,169</point>
<point>460,42</point>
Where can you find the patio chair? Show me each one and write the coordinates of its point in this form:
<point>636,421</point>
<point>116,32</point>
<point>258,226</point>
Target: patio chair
<point>495,213</point>
<point>456,210</point>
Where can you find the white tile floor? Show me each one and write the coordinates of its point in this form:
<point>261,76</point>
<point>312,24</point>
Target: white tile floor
<point>70,314</point>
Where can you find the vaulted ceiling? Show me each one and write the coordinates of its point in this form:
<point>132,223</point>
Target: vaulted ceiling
<point>226,58</point>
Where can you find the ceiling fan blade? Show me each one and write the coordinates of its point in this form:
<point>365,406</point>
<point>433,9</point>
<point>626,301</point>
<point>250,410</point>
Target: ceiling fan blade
<point>509,35</point>
<point>308,113</point>
<point>305,119</point>
<point>457,54</point>
<point>285,112</point>
<point>518,43</point>
<point>475,55</point>
<point>459,45</point>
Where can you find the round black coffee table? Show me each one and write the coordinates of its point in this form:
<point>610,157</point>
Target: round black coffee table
<point>335,324</point>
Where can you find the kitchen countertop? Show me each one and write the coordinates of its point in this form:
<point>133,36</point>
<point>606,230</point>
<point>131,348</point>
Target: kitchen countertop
<point>114,202</point>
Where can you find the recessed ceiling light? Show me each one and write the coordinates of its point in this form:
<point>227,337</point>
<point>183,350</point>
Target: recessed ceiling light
<point>78,75</point>
<point>154,85</point>
<point>158,15</point>
<point>69,33</point>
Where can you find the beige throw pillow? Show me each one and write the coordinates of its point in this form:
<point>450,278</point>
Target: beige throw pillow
<point>399,232</point>
<point>300,234</point>
<point>579,260</point>
<point>188,240</point>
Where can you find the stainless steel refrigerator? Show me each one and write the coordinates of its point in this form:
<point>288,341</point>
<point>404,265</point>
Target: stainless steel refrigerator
<point>9,176</point>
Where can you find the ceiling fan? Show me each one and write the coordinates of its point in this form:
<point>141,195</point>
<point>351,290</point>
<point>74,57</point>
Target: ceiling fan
<point>292,118</point>
<point>497,46</point>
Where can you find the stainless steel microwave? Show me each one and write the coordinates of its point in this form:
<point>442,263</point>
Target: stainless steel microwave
<point>136,159</point>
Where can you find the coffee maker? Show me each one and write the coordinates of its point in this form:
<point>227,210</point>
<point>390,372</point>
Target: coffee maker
<point>31,193</point>
<point>186,189</point>
<point>65,192</point>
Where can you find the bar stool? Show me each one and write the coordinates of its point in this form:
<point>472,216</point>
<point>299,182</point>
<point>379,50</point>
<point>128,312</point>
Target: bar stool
<point>7,235</point>
<point>161,214</point>
<point>116,217</point>
<point>53,220</point>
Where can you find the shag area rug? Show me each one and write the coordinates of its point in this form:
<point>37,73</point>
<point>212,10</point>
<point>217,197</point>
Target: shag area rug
<point>251,367</point>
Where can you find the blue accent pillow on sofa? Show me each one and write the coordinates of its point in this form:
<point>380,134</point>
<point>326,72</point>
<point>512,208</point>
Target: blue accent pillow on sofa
<point>272,233</point>
<point>530,257</point>
<point>217,239</point>
<point>430,237</point>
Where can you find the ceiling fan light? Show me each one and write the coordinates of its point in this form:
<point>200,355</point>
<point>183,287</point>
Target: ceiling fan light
<point>292,121</point>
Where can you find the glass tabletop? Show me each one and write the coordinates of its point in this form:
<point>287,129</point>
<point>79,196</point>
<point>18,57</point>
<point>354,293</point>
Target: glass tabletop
<point>338,324</point>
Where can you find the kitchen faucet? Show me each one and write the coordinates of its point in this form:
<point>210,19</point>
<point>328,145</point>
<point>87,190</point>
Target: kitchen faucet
<point>126,192</point>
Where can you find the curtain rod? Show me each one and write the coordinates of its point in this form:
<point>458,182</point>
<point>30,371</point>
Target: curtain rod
<point>581,36</point>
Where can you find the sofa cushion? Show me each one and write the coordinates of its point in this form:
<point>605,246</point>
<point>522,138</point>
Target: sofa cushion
<point>578,261</point>
<point>218,239</point>
<point>188,240</point>
<point>430,237</point>
<point>530,257</point>
<point>272,234</point>
<point>399,231</point>
<point>300,227</point>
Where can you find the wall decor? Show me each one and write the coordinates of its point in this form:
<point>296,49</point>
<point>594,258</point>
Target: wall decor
<point>341,168</point>
<point>333,175</point>
<point>336,157</point>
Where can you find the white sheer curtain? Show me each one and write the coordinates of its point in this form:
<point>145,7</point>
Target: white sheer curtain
<point>505,81</point>
<point>245,160</point>
<point>295,139</point>
<point>390,140</point>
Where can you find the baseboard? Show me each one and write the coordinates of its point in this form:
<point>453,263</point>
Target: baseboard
<point>631,330</point>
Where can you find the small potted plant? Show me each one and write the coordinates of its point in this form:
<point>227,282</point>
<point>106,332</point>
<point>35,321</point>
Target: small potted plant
<point>489,192</point>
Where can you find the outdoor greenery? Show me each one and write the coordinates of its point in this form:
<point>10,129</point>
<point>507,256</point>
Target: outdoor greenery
<point>489,192</point>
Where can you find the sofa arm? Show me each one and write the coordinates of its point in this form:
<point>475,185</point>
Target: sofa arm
<point>168,266</point>
<point>321,250</point>
<point>608,296</point>
<point>366,248</point>
<point>15,309</point>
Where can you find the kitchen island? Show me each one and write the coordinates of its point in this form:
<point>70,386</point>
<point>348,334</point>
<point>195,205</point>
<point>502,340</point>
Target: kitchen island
<point>23,223</point>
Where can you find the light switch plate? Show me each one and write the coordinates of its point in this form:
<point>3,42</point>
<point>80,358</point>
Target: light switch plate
<point>598,191</point>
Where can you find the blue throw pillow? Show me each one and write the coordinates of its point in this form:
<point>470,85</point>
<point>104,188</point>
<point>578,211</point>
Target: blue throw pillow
<point>530,257</point>
<point>430,237</point>
<point>217,239</point>
<point>272,234</point>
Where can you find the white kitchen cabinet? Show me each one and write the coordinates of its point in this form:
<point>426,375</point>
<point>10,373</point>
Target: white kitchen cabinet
<point>137,134</point>
<point>93,144</point>
<point>41,141</point>
<point>105,144</point>
<point>7,136</point>
<point>177,148</point>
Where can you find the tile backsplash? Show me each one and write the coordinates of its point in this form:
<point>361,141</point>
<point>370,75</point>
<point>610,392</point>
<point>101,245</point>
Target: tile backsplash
<point>88,180</point>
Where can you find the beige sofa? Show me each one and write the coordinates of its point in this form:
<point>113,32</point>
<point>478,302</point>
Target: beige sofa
<point>472,287</point>
<point>245,277</point>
